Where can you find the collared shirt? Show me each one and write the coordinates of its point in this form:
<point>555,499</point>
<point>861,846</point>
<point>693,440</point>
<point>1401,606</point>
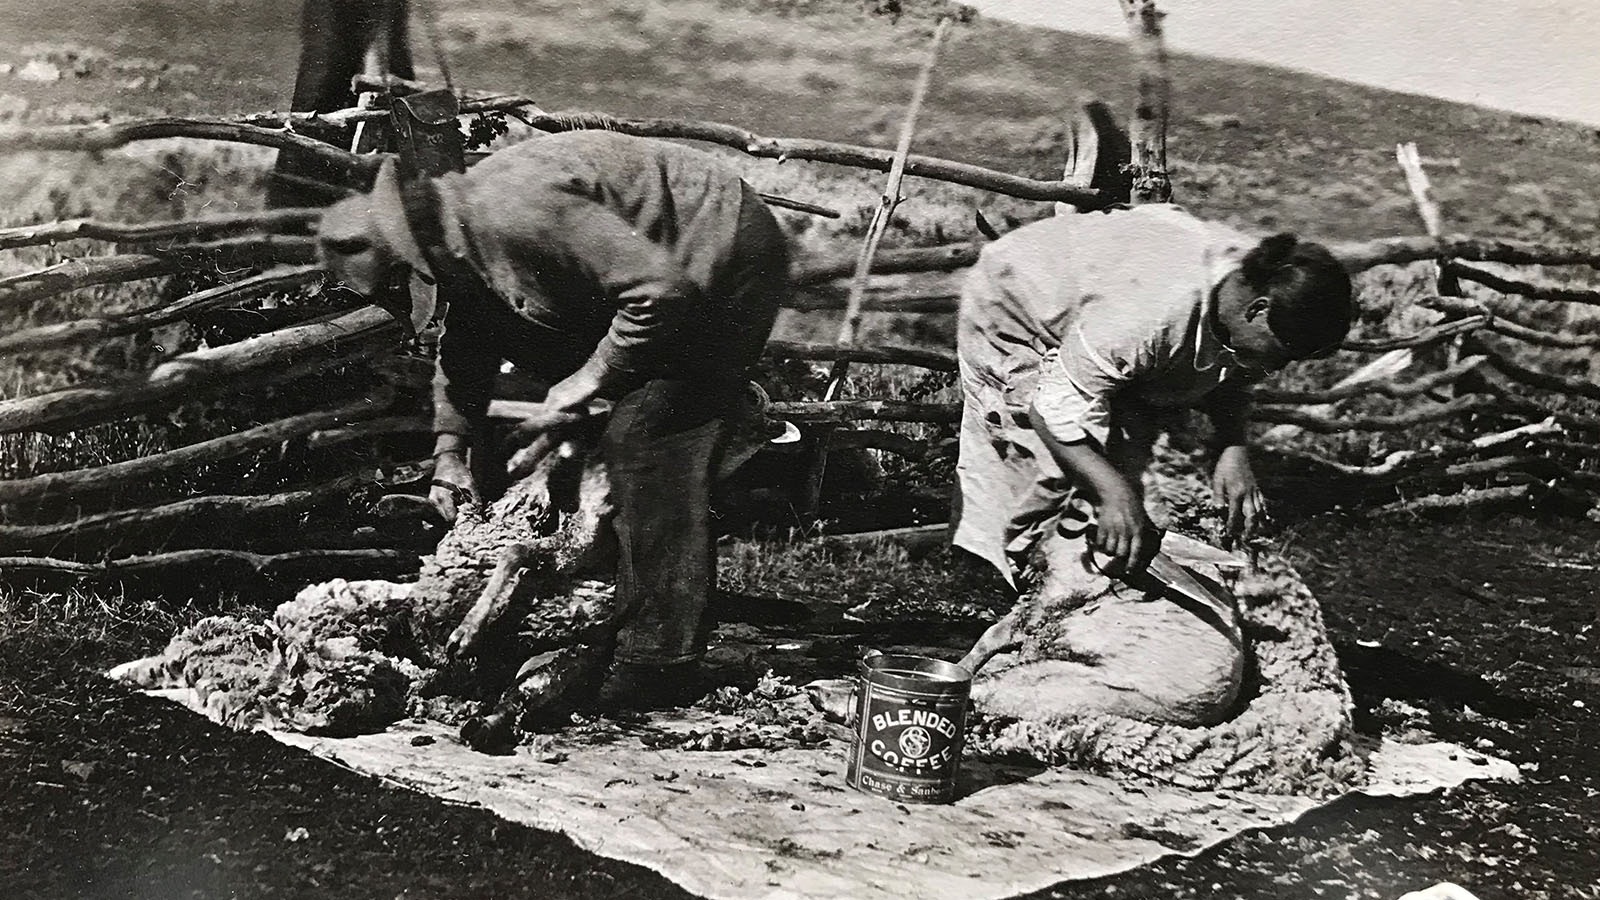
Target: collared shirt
<point>596,244</point>
<point>1065,319</point>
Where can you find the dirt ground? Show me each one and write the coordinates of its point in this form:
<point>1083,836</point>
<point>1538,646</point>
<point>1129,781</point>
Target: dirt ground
<point>1482,632</point>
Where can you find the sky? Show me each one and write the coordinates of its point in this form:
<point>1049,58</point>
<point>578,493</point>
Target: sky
<point>1540,57</point>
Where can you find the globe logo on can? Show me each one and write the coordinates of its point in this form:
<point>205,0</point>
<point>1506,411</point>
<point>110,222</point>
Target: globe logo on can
<point>914,742</point>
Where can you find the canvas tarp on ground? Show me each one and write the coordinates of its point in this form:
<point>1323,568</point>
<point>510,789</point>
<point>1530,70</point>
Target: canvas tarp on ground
<point>767,823</point>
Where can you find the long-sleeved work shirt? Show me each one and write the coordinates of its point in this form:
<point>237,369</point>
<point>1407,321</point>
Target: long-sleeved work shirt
<point>1066,322</point>
<point>636,252</point>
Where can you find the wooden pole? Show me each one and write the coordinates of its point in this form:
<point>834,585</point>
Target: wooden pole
<point>922,357</point>
<point>1148,130</point>
<point>120,474</point>
<point>888,201</point>
<point>131,530</point>
<point>90,271</point>
<point>1389,422</point>
<point>1521,288</point>
<point>99,328</point>
<point>277,565</point>
<point>277,356</point>
<point>198,229</point>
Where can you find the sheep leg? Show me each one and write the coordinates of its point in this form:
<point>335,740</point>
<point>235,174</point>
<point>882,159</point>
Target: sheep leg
<point>492,603</point>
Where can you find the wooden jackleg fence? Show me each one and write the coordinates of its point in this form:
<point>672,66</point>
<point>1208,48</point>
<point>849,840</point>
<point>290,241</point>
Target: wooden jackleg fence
<point>335,393</point>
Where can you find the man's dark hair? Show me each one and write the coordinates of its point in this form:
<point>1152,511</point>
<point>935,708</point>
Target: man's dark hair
<point>1313,303</point>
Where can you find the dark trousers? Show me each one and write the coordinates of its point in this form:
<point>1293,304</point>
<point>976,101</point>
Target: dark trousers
<point>663,447</point>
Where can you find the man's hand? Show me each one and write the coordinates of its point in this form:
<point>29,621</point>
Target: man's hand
<point>452,483</point>
<point>543,419</point>
<point>1233,484</point>
<point>1125,533</point>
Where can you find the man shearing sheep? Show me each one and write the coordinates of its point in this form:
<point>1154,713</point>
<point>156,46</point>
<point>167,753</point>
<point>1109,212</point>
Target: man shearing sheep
<point>612,268</point>
<point>1078,335</point>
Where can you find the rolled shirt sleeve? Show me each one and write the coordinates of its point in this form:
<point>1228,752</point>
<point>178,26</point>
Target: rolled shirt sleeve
<point>1078,380</point>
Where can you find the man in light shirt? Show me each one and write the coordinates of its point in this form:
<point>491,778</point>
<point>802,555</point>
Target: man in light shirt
<point>1079,337</point>
<point>1078,332</point>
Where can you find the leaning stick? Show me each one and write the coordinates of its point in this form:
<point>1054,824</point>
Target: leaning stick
<point>888,201</point>
<point>1427,209</point>
<point>206,228</point>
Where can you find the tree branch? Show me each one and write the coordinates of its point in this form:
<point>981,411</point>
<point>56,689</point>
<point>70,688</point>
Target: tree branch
<point>937,360</point>
<point>928,303</point>
<point>265,565</point>
<point>845,410</point>
<point>97,328</point>
<point>1493,281</point>
<point>1403,460</point>
<point>1358,255</point>
<point>1431,335</point>
<point>1288,415</point>
<point>96,270</point>
<point>1385,388</point>
<point>1544,381</point>
<point>121,473</point>
<point>88,138</point>
<point>942,258</point>
<point>190,229</point>
<point>1503,326</point>
<point>278,356</point>
<point>125,529</point>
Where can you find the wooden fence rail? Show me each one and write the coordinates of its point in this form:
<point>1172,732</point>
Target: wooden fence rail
<point>278,356</point>
<point>368,334</point>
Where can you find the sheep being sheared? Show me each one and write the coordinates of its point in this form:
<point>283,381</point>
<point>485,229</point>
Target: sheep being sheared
<point>510,619</point>
<point>344,657</point>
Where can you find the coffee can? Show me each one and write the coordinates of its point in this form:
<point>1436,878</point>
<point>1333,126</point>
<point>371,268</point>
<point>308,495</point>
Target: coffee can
<point>911,719</point>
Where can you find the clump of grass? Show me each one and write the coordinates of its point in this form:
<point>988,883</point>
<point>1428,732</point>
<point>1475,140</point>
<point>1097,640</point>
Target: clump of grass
<point>104,624</point>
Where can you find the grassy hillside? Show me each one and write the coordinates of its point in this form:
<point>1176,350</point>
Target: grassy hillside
<point>1261,148</point>
<point>1305,152</point>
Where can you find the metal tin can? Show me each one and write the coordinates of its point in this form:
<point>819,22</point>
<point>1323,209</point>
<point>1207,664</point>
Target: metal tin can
<point>911,719</point>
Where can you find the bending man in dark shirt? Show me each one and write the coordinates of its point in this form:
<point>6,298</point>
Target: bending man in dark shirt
<point>610,267</point>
